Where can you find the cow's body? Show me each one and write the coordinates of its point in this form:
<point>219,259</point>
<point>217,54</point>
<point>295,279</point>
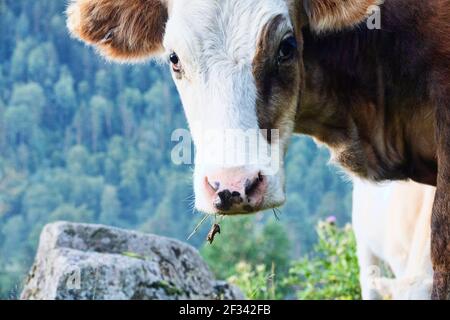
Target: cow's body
<point>374,97</point>
<point>391,222</point>
<point>380,99</point>
<point>367,97</point>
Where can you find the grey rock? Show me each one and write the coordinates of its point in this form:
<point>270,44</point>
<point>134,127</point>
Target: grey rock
<point>81,261</point>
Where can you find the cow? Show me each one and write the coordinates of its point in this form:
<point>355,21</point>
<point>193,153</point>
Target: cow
<point>379,98</point>
<point>393,234</point>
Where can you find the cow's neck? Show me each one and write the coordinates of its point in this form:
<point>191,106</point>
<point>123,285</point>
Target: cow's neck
<point>366,98</point>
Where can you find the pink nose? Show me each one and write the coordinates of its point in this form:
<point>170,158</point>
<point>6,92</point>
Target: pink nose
<point>236,191</point>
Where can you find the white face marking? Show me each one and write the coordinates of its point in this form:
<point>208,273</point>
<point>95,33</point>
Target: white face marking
<point>216,43</point>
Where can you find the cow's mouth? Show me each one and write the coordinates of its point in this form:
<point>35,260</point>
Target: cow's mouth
<point>234,194</point>
<point>248,209</point>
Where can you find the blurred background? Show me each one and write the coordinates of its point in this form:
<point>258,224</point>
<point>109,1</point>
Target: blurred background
<point>84,140</point>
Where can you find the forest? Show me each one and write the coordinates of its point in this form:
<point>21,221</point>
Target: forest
<point>85,140</point>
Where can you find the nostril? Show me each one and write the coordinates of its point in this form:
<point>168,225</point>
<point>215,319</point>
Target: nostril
<point>236,194</point>
<point>224,201</point>
<point>252,186</point>
<point>225,195</point>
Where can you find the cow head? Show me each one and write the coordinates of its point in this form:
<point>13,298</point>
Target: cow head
<point>238,67</point>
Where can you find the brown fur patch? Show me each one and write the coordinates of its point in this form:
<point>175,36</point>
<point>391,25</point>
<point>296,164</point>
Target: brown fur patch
<point>440,223</point>
<point>277,84</point>
<point>381,100</point>
<point>120,29</point>
<point>326,15</point>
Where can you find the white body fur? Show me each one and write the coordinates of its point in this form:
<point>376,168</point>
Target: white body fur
<point>392,226</point>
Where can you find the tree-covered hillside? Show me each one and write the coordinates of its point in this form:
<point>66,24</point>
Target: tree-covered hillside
<point>88,141</point>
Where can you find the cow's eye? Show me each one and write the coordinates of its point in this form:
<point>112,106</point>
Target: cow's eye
<point>288,48</point>
<point>175,62</point>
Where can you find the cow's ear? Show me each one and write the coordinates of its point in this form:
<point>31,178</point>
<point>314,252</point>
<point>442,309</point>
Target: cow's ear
<point>334,15</point>
<point>123,30</point>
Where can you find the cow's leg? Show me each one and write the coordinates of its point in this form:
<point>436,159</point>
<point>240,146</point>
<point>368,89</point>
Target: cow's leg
<point>415,288</point>
<point>440,251</point>
<point>440,221</point>
<point>365,197</point>
<point>369,266</point>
